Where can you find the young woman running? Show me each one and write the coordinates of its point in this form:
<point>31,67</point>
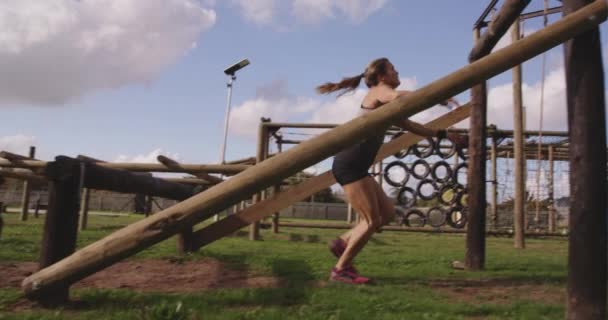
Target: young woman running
<point>351,165</point>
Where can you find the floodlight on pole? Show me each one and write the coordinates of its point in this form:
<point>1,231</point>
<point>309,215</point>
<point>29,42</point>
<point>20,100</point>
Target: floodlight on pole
<point>231,73</point>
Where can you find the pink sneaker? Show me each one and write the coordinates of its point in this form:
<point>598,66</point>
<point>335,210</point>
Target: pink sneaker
<point>337,247</point>
<point>347,275</point>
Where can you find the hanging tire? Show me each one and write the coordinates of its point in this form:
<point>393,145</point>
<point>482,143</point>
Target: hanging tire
<point>423,196</point>
<point>390,179</point>
<point>407,197</point>
<point>445,153</point>
<point>457,217</point>
<point>448,172</point>
<point>401,153</point>
<point>415,219</point>
<point>452,190</point>
<point>462,153</point>
<point>456,173</point>
<point>424,152</point>
<point>463,196</point>
<point>435,216</point>
<point>417,164</point>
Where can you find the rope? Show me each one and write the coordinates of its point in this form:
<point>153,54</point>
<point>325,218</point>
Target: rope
<point>540,125</point>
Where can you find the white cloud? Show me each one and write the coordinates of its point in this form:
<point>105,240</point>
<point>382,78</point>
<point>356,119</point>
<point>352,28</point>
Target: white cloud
<point>315,11</point>
<point>19,144</point>
<point>54,51</point>
<point>500,103</point>
<point>147,158</point>
<point>260,12</point>
<point>269,12</point>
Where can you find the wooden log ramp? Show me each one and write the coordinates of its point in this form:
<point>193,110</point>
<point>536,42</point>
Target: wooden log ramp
<point>142,234</point>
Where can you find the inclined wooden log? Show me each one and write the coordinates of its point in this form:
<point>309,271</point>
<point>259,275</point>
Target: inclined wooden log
<point>146,232</point>
<point>503,19</point>
<point>170,163</point>
<point>587,247</point>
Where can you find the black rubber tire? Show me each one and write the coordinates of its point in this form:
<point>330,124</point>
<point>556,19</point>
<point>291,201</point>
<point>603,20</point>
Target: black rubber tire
<point>425,153</point>
<point>391,181</point>
<point>401,153</point>
<point>448,172</point>
<point>462,198</point>
<point>420,162</point>
<point>455,194</point>
<point>413,214</point>
<point>422,183</point>
<point>412,199</point>
<point>445,154</point>
<point>457,217</point>
<point>462,153</point>
<point>455,172</point>
<point>435,217</point>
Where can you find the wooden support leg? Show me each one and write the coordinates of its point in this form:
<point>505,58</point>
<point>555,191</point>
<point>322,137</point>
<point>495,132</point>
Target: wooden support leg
<point>61,224</point>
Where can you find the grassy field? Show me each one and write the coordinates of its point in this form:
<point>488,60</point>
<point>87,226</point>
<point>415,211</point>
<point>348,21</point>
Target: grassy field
<point>414,279</point>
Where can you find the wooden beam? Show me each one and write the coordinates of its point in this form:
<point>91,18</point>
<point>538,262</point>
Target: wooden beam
<point>170,163</point>
<point>311,186</point>
<point>146,232</point>
<point>509,12</point>
<point>22,176</point>
<point>587,247</point>
<point>139,167</point>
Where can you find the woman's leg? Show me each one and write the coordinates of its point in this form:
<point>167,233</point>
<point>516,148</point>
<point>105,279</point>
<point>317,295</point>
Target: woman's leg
<point>362,195</point>
<point>387,206</point>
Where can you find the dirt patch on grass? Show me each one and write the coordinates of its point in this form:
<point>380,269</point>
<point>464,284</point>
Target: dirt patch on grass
<point>154,275</point>
<point>498,291</point>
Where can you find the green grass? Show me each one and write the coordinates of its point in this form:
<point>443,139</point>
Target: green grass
<point>407,267</point>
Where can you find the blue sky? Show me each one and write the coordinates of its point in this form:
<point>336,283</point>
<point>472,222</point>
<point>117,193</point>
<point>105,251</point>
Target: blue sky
<point>125,80</point>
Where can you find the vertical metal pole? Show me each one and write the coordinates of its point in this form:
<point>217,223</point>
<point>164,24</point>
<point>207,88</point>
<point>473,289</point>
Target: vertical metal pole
<point>587,247</point>
<point>27,189</point>
<point>476,177</point>
<point>84,208</point>
<point>551,193</point>
<point>494,199</point>
<point>229,85</point>
<point>519,155</point>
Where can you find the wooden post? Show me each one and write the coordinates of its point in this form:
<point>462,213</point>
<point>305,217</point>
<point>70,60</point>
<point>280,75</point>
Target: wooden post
<point>494,197</point>
<point>144,233</point>
<point>84,208</point>
<point>587,249</point>
<point>519,208</point>
<point>476,177</point>
<point>551,183</point>
<point>276,190</point>
<point>254,229</point>
<point>148,206</point>
<point>1,220</point>
<point>27,189</point>
<point>61,222</point>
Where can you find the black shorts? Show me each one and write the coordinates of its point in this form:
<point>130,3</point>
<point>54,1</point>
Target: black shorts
<point>352,164</point>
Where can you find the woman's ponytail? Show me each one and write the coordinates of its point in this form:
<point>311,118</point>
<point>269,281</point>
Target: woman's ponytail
<point>346,85</point>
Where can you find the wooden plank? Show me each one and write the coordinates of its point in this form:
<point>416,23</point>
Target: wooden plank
<point>311,186</point>
<point>146,232</point>
<point>27,189</point>
<point>587,247</point>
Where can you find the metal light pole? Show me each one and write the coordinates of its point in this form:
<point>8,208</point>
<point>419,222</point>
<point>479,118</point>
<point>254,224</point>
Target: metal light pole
<point>231,73</point>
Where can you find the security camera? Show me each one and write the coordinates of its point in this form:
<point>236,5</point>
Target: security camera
<point>230,71</point>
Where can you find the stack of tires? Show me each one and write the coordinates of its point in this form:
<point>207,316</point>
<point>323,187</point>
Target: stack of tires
<point>426,176</point>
